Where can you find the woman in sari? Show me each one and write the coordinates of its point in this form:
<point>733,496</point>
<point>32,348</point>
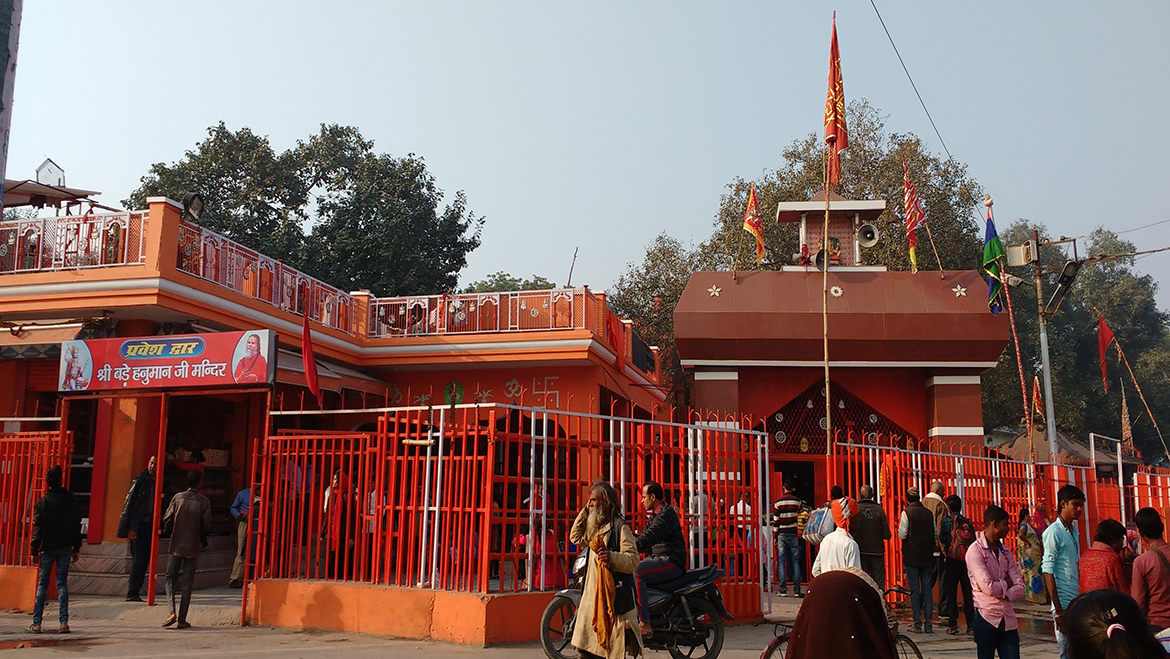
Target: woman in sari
<point>1031,552</point>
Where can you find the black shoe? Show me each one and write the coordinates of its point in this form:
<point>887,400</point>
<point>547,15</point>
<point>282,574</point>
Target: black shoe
<point>799,594</point>
<point>236,584</point>
<point>133,598</point>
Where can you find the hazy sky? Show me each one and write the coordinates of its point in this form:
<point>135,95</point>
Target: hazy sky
<point>601,125</point>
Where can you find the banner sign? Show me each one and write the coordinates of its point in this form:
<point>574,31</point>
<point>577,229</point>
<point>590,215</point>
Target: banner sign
<point>156,362</point>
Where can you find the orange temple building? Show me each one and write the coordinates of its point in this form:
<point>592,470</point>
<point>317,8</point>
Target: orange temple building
<point>153,274</point>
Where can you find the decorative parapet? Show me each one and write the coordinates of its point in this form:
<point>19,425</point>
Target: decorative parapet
<point>71,242</point>
<point>212,257</point>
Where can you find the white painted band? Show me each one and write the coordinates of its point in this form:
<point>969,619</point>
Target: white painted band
<point>953,379</point>
<point>716,375</point>
<point>955,431</point>
<point>740,363</point>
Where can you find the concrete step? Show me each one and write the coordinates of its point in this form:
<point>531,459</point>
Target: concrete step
<point>103,569</point>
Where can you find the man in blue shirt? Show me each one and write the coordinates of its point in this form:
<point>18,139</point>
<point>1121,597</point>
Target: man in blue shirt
<point>1062,552</point>
<point>240,509</point>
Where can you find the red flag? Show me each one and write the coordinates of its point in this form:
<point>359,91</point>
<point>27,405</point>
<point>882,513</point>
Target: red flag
<point>1104,338</point>
<point>914,213</point>
<point>617,338</point>
<point>836,135</point>
<point>310,362</point>
<point>754,224</point>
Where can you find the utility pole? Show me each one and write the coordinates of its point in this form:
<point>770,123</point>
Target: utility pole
<point>1049,414</point>
<point>10,12</point>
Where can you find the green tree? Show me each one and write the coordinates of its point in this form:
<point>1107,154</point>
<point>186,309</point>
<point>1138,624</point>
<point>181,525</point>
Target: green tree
<point>502,281</point>
<point>252,194</point>
<point>647,293</point>
<point>1127,301</point>
<point>872,169</point>
<point>374,221</point>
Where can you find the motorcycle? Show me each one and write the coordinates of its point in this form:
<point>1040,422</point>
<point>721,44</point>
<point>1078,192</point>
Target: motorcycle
<point>686,615</point>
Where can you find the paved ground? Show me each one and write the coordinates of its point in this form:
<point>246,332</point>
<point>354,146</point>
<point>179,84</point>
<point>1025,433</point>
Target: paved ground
<point>107,627</point>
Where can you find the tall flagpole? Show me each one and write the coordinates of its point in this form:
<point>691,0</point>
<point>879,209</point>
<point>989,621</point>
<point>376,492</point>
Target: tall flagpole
<point>929,235</point>
<point>825,316</point>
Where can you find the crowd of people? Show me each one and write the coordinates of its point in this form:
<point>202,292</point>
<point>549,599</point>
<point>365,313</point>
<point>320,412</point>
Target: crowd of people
<point>1109,601</point>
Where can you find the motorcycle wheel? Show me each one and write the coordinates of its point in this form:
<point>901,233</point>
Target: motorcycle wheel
<point>708,617</point>
<point>556,628</point>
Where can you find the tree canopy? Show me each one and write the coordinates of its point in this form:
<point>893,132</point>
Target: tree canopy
<point>648,292</point>
<point>330,206</point>
<point>1126,300</point>
<point>502,281</point>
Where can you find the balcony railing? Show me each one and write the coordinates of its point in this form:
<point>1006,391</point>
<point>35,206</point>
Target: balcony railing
<point>471,313</point>
<point>210,256</point>
<point>93,240</point>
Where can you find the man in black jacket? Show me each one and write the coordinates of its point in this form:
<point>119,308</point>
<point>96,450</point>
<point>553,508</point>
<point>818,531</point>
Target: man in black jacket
<point>137,525</point>
<point>56,539</point>
<point>663,540</point>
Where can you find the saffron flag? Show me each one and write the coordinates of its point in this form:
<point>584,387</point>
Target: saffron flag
<point>836,136</point>
<point>1126,428</point>
<point>1104,338</point>
<point>992,251</point>
<point>310,361</point>
<point>753,224</point>
<point>617,338</point>
<point>1037,402</point>
<point>914,214</point>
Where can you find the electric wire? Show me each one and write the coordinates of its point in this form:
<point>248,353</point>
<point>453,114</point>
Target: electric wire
<point>911,79</point>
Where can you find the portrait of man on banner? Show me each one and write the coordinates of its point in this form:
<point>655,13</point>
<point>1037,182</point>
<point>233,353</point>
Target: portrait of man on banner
<point>76,366</point>
<point>250,366</point>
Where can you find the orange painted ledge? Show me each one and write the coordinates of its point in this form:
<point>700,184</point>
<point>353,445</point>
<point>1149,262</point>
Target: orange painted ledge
<point>18,588</point>
<point>467,618</point>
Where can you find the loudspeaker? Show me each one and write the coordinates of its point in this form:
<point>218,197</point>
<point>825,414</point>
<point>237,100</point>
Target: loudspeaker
<point>820,260</point>
<point>867,235</point>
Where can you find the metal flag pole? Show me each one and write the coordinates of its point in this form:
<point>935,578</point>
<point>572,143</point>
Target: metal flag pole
<point>825,317</point>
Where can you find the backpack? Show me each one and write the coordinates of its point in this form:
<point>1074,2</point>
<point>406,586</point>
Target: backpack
<point>962,534</point>
<point>820,523</point>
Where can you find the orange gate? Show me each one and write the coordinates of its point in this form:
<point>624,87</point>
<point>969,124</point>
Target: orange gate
<point>25,457</point>
<point>480,498</point>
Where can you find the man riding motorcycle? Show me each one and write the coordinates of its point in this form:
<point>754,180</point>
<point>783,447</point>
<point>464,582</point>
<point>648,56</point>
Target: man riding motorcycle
<point>663,540</point>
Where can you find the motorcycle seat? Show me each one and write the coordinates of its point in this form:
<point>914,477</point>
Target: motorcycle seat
<point>691,577</point>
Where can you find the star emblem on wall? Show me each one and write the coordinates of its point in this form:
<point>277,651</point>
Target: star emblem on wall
<point>714,290</point>
<point>959,291</point>
<point>836,291</point>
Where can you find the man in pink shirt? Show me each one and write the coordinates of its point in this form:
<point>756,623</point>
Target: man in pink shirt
<point>1151,570</point>
<point>995,582</point>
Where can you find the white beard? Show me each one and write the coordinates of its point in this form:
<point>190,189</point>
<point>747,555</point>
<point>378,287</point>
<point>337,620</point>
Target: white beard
<point>594,522</point>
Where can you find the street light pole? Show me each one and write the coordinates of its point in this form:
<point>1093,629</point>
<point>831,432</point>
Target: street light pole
<point>1049,413</point>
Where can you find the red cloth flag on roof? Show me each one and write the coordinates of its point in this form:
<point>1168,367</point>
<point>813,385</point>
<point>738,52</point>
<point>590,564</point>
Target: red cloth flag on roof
<point>836,136</point>
<point>754,224</point>
<point>617,338</point>
<point>310,361</point>
<point>1037,402</point>
<point>1104,338</point>
<point>914,213</point>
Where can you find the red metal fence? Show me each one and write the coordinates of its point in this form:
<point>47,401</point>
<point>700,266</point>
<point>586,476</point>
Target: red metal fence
<point>980,480</point>
<point>25,457</point>
<point>481,498</point>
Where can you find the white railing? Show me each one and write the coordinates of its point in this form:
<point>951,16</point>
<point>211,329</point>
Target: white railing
<point>70,242</point>
<point>470,313</point>
<point>210,256</point>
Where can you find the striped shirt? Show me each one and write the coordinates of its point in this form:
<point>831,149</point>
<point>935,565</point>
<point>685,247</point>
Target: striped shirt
<point>784,513</point>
